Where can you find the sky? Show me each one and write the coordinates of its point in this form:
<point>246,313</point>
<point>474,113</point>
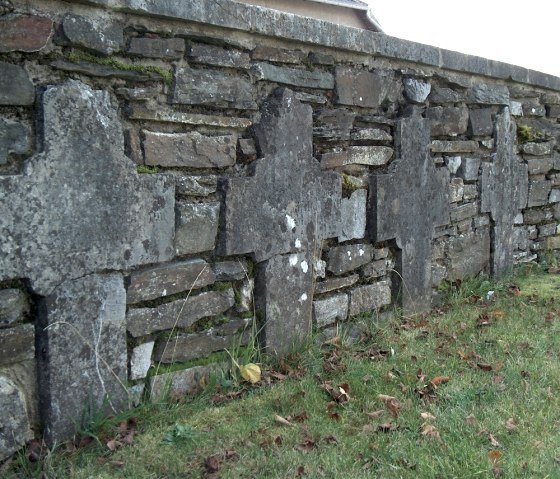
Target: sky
<point>522,33</point>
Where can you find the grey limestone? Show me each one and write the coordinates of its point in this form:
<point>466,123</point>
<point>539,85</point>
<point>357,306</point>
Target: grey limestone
<point>293,76</point>
<point>335,124</point>
<point>105,71</point>
<point>456,190</point>
<point>539,192</point>
<point>192,150</point>
<point>141,360</point>
<point>536,216</point>
<point>196,227</point>
<point>407,204</point>
<point>464,211</point>
<point>448,121</point>
<point>104,37</point>
<point>533,109</point>
<point>89,314</point>
<point>332,284</point>
<point>247,148</point>
<point>14,306</point>
<point>373,134</point>
<point>539,166</point>
<point>168,48</point>
<point>196,185</point>
<point>453,164</point>
<point>212,88</point>
<point>182,313</point>
<point>469,168</point>
<point>516,108</point>
<point>469,254</point>
<point>329,310</point>
<point>343,259</point>
<point>17,344</point>
<point>364,88</point>
<point>230,270</point>
<point>547,230</point>
<point>14,138</point>
<point>554,196</point>
<point>446,95</point>
<point>416,90</point>
<point>218,56</point>
<point>113,218</point>
<point>179,383</point>
<point>375,269</point>
<point>369,298</point>
<point>481,122</point>
<point>358,155</point>
<point>14,422</point>
<point>277,55</point>
<point>15,86</point>
<point>489,95</point>
<point>455,146</point>
<point>169,279</point>
<point>246,294</point>
<point>538,149</point>
<point>353,216</point>
<point>470,192</point>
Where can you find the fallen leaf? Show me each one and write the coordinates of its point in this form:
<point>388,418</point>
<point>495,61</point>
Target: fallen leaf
<point>250,372</point>
<point>495,456</point>
<point>282,420</point>
<point>511,425</point>
<point>498,314</point>
<point>514,290</point>
<point>465,356</point>
<point>330,439</point>
<point>392,404</point>
<point>498,379</point>
<point>307,446</point>
<point>375,414</point>
<point>113,445</point>
<point>484,367</point>
<point>429,431</point>
<point>118,464</point>
<point>427,416</point>
<point>483,320</point>
<point>498,366</point>
<point>387,427</point>
<point>212,464</point>
<point>301,417</point>
<point>439,380</point>
<point>493,440</point>
<point>300,471</point>
<point>470,420</point>
<point>230,454</point>
<point>278,440</point>
<point>334,416</point>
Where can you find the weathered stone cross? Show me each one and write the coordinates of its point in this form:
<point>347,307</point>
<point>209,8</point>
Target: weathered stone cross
<point>78,210</point>
<point>504,192</point>
<point>407,204</point>
<point>281,214</point>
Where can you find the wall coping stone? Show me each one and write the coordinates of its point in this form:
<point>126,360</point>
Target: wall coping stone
<point>232,15</point>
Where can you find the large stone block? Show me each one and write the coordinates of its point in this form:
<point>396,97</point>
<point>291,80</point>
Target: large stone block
<point>15,429</point>
<point>14,306</point>
<point>358,155</point>
<point>169,48</point>
<point>539,166</point>
<point>179,383</point>
<point>196,227</point>
<point>101,36</point>
<point>196,185</point>
<point>468,170</point>
<point>182,313</point>
<point>343,259</point>
<point>328,311</point>
<point>24,33</point>
<point>369,298</point>
<point>481,122</point>
<point>468,254</point>
<point>218,56</point>
<point>334,124</point>
<point>333,284</point>
<point>15,86</point>
<point>113,218</point>
<point>539,192</point>
<point>448,121</point>
<point>169,279</point>
<point>17,344</point>
<point>82,359</point>
<point>191,150</point>
<point>538,149</point>
<point>293,76</point>
<point>14,138</point>
<point>353,216</point>
<point>416,90</point>
<point>463,212</point>
<point>364,88</point>
<point>489,95</point>
<point>212,89</point>
<point>457,146</point>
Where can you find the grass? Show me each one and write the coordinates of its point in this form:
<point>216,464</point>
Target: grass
<point>488,373</point>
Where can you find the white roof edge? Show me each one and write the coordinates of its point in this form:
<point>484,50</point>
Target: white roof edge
<point>355,5</point>
<point>374,20</point>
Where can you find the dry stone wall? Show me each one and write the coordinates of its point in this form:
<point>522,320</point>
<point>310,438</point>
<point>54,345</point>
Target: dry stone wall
<point>176,176</point>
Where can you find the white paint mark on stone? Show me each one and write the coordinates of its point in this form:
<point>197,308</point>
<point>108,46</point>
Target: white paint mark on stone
<point>290,222</point>
<point>293,259</point>
<point>298,243</point>
<point>164,292</point>
<point>304,266</point>
<point>361,252</point>
<point>303,298</point>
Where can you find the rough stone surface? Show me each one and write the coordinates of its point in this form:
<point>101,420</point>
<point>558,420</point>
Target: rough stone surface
<point>416,90</point>
<point>100,36</point>
<point>278,55</point>
<point>88,313</point>
<point>448,121</point>
<point>196,227</point>
<point>15,429</point>
<point>469,254</point>
<point>446,95</point>
<point>179,383</point>
<point>334,124</point>
<point>470,192</point>
<point>407,205</point>
<point>375,134</point>
<point>453,164</point>
<point>516,108</point>
<point>218,56</point>
<point>196,185</point>
<point>105,71</point>
<point>533,109</point>
<point>504,192</point>
<point>17,344</point>
<point>554,196</point>
<point>14,306</point>
<point>333,284</point>
<point>456,190</point>
<point>363,88</point>
<point>328,311</point>
<point>369,298</point>
<point>284,292</point>
<point>24,33</point>
<point>375,269</point>
<point>469,168</point>
<point>212,89</point>
<point>343,259</point>
<point>14,138</point>
<point>289,203</point>
<point>481,122</point>
<point>539,166</point>
<point>230,270</point>
<point>15,86</point>
<point>464,211</point>
<point>539,191</point>
<point>169,279</point>
<point>182,313</point>
<point>191,150</point>
<point>191,346</point>
<point>293,76</point>
<point>538,149</point>
<point>358,155</point>
<point>114,219</point>
<point>246,294</point>
<point>489,95</point>
<point>353,216</point>
<point>547,230</point>
<point>458,146</point>
<point>141,360</point>
<point>169,48</point>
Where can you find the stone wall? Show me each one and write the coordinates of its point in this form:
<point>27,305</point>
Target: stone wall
<point>172,171</point>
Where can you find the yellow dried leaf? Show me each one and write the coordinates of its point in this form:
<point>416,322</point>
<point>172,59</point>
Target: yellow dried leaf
<point>250,372</point>
<point>427,416</point>
<point>511,425</point>
<point>430,431</point>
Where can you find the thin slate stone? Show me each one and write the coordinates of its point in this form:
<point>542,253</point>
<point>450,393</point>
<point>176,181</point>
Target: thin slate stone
<point>504,192</point>
<point>469,254</point>
<point>293,76</point>
<point>24,33</point>
<point>169,48</point>
<point>17,344</point>
<point>342,259</point>
<point>14,306</point>
<point>14,138</point>
<point>218,56</point>
<point>364,88</point>
<point>48,247</point>
<point>328,311</point>
<point>448,121</point>
<point>15,86</point>
<point>332,284</point>
<point>353,215</point>
<point>369,298</point>
<point>481,122</point>
<point>16,428</point>
<point>196,227</point>
<point>101,36</point>
<point>408,203</point>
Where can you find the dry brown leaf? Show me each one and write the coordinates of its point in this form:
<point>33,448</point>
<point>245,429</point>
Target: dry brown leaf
<point>439,380</point>
<point>307,445</point>
<point>498,313</point>
<point>375,414</point>
<point>484,367</point>
<point>330,439</point>
<point>387,427</point>
<point>300,471</point>
<point>495,456</point>
<point>429,431</point>
<point>113,445</point>
<point>427,416</point>
<point>392,404</point>
<point>282,420</point>
<point>470,420</point>
<point>493,440</point>
<point>511,425</point>
<point>300,417</point>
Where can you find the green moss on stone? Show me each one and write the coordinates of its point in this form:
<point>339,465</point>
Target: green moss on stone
<point>145,169</point>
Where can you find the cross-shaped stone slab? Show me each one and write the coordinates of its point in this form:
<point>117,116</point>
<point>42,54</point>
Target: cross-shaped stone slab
<point>79,209</point>
<point>286,208</point>
<point>407,204</point>
<point>504,191</point>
